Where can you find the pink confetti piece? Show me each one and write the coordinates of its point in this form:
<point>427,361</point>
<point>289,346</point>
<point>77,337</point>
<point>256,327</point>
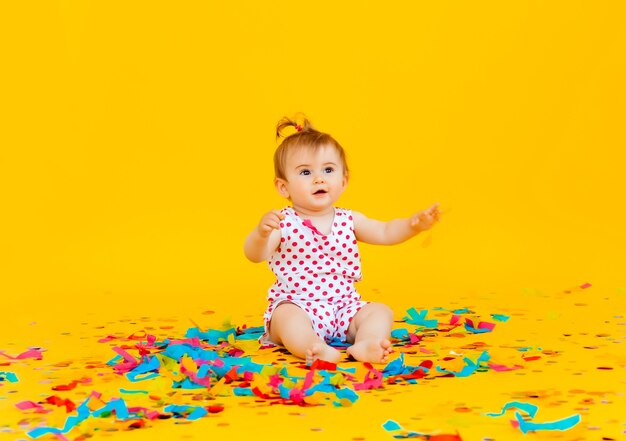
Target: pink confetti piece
<point>414,338</point>
<point>296,395</point>
<point>308,380</point>
<point>486,325</point>
<point>31,353</point>
<point>373,379</point>
<point>503,368</point>
<point>27,405</point>
<point>130,363</point>
<point>194,342</point>
<point>585,285</point>
<point>275,380</point>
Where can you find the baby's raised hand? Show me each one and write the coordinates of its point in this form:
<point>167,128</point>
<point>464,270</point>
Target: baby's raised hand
<point>425,219</point>
<point>270,221</point>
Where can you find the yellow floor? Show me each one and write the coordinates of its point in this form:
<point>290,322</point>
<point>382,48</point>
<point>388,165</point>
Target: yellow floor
<point>573,339</point>
<point>136,155</point>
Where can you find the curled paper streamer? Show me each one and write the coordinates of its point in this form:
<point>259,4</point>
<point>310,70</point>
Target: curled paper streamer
<point>531,411</point>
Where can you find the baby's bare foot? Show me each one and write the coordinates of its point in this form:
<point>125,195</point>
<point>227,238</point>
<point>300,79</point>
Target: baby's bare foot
<point>322,351</point>
<point>374,350</point>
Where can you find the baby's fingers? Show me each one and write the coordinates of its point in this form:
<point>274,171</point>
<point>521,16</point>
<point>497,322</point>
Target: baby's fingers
<point>276,215</point>
<point>273,224</point>
<point>434,211</point>
<point>417,218</point>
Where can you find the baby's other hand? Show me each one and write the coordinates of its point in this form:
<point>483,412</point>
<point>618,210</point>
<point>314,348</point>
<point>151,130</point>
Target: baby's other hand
<point>270,221</point>
<point>426,219</point>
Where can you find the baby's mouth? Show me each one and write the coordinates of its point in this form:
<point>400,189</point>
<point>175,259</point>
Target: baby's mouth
<point>319,192</point>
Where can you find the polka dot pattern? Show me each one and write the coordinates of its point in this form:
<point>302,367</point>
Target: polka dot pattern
<point>317,272</point>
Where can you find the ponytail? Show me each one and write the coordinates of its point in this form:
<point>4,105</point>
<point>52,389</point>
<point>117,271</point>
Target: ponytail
<point>303,126</point>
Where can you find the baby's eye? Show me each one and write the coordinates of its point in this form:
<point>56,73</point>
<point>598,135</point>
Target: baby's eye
<point>305,172</point>
<point>329,170</point>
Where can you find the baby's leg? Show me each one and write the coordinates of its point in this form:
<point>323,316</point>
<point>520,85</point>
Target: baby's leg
<point>291,327</point>
<point>370,331</point>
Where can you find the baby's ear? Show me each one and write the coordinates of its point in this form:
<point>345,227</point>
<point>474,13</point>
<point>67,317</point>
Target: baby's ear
<point>281,187</point>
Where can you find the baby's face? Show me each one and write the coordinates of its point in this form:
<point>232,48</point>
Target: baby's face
<point>315,178</point>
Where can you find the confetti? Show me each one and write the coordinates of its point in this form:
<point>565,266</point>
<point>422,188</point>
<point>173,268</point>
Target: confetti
<point>531,410</point>
<point>169,377</point>
<point>8,376</point>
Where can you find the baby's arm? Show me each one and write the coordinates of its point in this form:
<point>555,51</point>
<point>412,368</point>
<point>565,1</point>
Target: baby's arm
<point>264,239</point>
<point>395,231</point>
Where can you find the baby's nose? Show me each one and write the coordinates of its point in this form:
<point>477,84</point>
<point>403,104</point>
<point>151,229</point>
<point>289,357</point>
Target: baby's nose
<point>318,179</point>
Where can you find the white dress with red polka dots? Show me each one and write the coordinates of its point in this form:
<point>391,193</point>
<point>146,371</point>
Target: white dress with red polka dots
<point>317,273</point>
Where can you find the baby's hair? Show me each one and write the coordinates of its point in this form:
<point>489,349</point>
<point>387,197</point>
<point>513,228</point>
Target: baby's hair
<point>306,136</point>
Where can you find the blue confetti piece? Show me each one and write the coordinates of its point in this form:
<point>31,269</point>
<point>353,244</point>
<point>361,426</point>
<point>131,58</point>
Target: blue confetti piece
<point>176,352</point>
<point>196,411</point>
<point>251,333</point>
<point>348,394</point>
<point>347,370</point>
<point>8,376</point>
<point>563,424</point>
<point>531,410</point>
<point>336,342</point>
<point>150,364</point>
<point>470,366</point>
<point>400,334</point>
<point>395,367</point>
<point>117,405</point>
<point>500,317</point>
<point>390,425</point>
<point>114,360</point>
<point>283,391</point>
<point>187,384</point>
<point>419,319</point>
<point>128,391</point>
<point>476,330</point>
<point>213,336</point>
<point>243,392</point>
<point>203,371</point>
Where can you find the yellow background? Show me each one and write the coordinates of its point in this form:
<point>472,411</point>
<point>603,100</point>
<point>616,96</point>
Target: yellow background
<point>136,140</point>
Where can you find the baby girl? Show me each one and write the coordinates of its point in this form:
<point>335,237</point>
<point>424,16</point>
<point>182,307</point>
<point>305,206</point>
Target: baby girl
<point>312,248</point>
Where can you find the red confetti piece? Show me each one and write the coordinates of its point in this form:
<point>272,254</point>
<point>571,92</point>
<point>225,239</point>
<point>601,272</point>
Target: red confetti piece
<point>323,365</point>
<point>58,401</point>
<point>137,424</point>
<point>72,385</point>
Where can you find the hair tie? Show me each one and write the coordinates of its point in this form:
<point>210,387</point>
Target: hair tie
<point>298,127</point>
